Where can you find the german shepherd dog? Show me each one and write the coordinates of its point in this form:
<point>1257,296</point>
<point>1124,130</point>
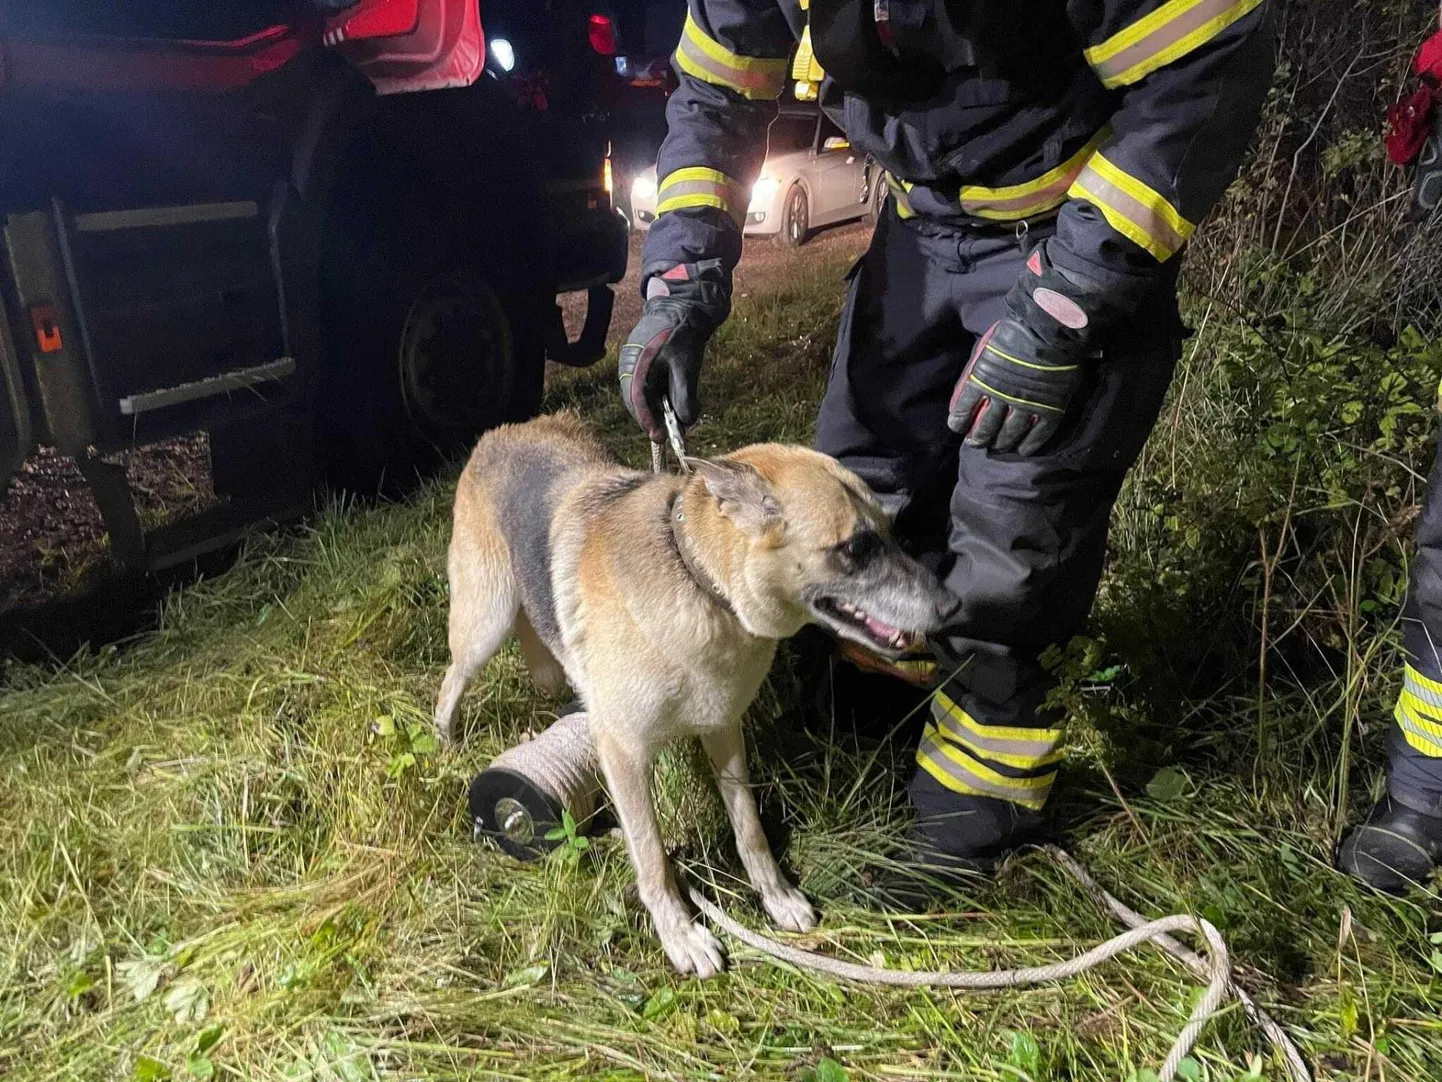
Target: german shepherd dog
<point>660,600</point>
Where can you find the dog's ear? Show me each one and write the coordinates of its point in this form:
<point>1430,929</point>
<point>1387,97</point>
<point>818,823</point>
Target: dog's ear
<point>741,494</point>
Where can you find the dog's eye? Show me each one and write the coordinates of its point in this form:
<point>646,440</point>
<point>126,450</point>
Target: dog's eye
<point>858,550</point>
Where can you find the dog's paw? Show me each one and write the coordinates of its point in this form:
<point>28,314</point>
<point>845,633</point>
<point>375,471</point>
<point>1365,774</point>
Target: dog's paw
<point>789,909</point>
<point>692,949</point>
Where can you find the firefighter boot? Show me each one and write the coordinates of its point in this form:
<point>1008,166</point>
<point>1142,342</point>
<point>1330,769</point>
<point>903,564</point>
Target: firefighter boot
<point>957,842</point>
<point>1394,848</point>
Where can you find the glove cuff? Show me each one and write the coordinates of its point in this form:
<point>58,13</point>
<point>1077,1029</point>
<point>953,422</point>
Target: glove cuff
<point>704,287</point>
<point>1071,309</point>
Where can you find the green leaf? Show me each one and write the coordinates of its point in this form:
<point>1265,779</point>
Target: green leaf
<point>828,1070</point>
<point>79,985</point>
<point>1348,1015</point>
<point>1189,1070</point>
<point>150,1070</point>
<point>529,975</point>
<point>424,743</point>
<point>661,1003</point>
<point>1024,1052</point>
<point>1167,784</point>
<point>346,1060</point>
<point>385,725</point>
<point>141,976</point>
<point>188,1001</point>
<point>1436,961</point>
<point>209,1037</point>
<point>400,764</point>
<point>555,834</point>
<point>200,1067</point>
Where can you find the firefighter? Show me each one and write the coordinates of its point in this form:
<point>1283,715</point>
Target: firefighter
<point>1007,339</point>
<point>1400,842</point>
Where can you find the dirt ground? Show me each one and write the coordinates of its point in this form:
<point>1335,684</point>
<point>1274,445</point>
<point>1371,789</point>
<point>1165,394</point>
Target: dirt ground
<point>52,541</point>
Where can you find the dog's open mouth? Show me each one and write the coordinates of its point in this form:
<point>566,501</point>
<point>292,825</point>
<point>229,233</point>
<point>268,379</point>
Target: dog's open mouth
<point>880,634</point>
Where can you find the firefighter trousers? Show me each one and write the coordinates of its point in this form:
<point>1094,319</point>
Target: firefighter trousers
<point>1020,540</point>
<point>1415,747</point>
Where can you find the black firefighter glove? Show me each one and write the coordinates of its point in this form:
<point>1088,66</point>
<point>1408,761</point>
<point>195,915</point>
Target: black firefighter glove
<point>661,357</point>
<point>1014,391</point>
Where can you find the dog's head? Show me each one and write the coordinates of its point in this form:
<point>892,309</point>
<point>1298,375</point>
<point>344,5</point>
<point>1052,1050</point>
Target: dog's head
<point>817,548</point>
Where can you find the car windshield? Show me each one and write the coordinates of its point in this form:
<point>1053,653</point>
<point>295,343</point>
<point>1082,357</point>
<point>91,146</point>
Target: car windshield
<point>790,133</point>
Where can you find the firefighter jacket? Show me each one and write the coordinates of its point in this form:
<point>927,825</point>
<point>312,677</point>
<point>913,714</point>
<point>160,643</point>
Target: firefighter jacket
<point>1123,120</point>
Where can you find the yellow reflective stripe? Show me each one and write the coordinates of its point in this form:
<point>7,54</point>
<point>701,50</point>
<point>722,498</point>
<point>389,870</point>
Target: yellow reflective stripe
<point>946,703</point>
<point>1426,717</point>
<point>1424,684</point>
<point>708,60</point>
<point>804,67</point>
<point>899,189</point>
<point>1419,732</point>
<point>1165,35</point>
<point>1046,192</point>
<point>1013,398</point>
<point>1028,364</point>
<point>960,773</point>
<point>1132,208</point>
<point>1025,749</point>
<point>698,186</point>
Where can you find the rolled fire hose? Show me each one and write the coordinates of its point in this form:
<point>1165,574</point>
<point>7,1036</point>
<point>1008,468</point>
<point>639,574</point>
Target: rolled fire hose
<point>523,794</point>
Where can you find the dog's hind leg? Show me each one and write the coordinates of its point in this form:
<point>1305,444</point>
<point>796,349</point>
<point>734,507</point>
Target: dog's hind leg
<point>546,671</point>
<point>787,906</point>
<point>485,599</point>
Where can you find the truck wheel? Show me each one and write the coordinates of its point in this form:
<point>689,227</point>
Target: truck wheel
<point>795,219</point>
<point>455,365</point>
<point>441,361</point>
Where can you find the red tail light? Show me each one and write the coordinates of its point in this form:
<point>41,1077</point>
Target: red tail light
<point>603,35</point>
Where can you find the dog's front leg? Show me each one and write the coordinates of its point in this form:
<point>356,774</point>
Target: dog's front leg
<point>786,905</point>
<point>691,948</point>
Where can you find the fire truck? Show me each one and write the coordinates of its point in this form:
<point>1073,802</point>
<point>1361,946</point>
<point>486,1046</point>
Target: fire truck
<point>321,232</point>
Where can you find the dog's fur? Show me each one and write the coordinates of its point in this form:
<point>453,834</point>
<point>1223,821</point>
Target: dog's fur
<point>581,557</point>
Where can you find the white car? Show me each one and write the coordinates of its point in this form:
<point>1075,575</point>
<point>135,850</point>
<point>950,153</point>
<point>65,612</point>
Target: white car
<point>811,178</point>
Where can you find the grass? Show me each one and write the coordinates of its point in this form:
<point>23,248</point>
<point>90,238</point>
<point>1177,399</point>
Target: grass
<point>231,849</point>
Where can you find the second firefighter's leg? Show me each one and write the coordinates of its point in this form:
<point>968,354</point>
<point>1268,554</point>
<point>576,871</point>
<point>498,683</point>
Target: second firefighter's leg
<point>1400,843</point>
<point>1027,542</point>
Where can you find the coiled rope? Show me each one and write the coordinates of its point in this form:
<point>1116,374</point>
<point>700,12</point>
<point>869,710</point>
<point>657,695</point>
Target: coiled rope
<point>1216,969</point>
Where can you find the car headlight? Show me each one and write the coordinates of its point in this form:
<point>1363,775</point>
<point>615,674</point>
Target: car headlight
<point>763,192</point>
<point>503,54</point>
<point>643,187</point>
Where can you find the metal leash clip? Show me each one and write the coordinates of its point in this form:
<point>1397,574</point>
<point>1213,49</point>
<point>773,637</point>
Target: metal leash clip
<point>674,437</point>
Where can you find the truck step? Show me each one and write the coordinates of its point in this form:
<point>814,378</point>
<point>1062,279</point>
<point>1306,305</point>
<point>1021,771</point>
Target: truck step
<point>217,528</point>
<point>148,401</point>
